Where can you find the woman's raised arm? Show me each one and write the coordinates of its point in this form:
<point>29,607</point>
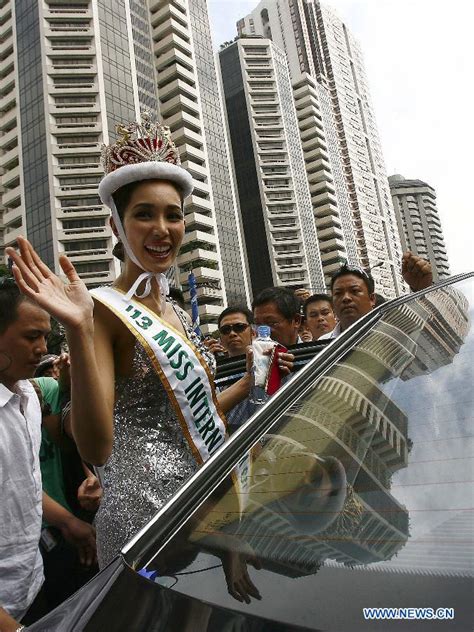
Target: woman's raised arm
<point>92,388</point>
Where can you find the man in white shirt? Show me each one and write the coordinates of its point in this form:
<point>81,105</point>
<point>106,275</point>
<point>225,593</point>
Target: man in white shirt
<point>23,328</point>
<point>319,315</point>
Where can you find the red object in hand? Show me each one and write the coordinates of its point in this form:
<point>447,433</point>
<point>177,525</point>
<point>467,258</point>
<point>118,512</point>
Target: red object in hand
<point>274,375</point>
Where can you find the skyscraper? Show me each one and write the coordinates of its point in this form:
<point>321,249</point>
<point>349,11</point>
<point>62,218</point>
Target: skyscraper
<point>69,73</point>
<point>190,104</point>
<point>324,167</point>
<point>354,210</point>
<point>275,201</point>
<point>418,220</point>
<point>69,81</point>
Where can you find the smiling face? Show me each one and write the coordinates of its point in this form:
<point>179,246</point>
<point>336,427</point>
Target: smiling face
<point>23,343</point>
<point>320,318</point>
<point>153,222</point>
<point>351,299</point>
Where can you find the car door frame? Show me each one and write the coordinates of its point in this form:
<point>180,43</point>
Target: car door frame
<point>173,515</point>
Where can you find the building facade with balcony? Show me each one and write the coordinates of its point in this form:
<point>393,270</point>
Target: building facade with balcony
<point>59,125</point>
<point>342,148</point>
<point>72,71</point>
<point>324,168</point>
<point>11,194</point>
<point>190,104</point>
<point>72,67</point>
<point>419,224</point>
<point>274,196</point>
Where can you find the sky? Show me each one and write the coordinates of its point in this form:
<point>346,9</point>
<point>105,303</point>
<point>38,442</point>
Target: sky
<point>418,56</point>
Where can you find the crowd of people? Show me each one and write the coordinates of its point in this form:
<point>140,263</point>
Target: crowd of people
<point>92,444</point>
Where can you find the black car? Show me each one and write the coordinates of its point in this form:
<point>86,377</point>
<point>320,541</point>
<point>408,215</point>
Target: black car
<point>344,504</point>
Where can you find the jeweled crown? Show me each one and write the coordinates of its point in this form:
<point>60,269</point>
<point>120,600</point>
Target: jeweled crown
<point>147,141</point>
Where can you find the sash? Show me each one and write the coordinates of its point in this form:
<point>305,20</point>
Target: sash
<point>181,369</point>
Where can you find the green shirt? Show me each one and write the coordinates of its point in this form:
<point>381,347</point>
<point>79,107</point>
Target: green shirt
<point>50,454</point>
<point>50,391</point>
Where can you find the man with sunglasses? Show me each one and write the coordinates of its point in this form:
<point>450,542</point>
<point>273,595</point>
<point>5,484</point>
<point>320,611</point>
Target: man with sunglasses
<point>235,328</point>
<point>353,295</point>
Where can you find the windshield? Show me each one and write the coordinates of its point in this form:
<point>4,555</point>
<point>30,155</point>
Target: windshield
<point>361,493</point>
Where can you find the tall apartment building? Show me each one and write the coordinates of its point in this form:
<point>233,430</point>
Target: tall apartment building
<point>275,200</point>
<point>69,73</point>
<point>8,122</point>
<point>419,224</point>
<point>190,104</point>
<point>353,206</point>
<point>324,168</point>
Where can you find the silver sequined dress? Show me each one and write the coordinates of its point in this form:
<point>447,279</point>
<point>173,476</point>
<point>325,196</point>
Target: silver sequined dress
<point>150,458</point>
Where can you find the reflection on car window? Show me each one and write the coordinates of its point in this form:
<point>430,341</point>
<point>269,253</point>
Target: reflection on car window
<point>370,469</point>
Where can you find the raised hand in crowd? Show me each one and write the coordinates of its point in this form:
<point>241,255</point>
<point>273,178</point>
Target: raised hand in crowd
<point>286,362</point>
<point>69,303</point>
<point>63,361</point>
<point>302,294</point>
<point>416,272</point>
<point>62,366</point>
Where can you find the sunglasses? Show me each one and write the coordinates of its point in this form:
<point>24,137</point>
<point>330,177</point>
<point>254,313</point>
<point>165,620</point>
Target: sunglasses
<point>237,327</point>
<point>346,268</point>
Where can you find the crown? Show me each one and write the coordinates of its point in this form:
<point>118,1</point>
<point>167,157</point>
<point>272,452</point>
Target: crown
<point>147,141</point>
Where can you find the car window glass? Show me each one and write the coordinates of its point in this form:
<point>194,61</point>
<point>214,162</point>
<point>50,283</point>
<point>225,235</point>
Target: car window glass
<point>361,492</point>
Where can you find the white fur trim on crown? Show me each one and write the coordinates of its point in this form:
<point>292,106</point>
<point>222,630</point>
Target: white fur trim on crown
<point>145,171</point>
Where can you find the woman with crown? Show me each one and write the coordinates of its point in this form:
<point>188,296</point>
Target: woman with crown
<point>143,402</point>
